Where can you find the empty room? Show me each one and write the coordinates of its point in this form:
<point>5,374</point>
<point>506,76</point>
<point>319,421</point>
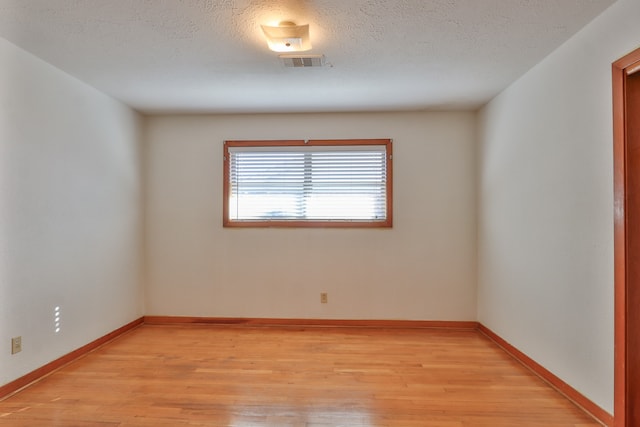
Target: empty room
<point>319,213</point>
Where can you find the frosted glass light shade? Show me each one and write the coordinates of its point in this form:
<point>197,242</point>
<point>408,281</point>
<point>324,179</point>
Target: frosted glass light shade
<point>287,37</point>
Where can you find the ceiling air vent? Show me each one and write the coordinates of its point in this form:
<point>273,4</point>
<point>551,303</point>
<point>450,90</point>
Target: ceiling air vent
<point>303,60</point>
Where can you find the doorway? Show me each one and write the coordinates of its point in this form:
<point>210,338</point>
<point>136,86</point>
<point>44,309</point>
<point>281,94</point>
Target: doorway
<point>626,124</point>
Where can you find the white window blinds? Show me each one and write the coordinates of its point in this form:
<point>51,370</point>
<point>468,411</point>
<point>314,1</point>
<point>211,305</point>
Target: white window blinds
<point>307,183</point>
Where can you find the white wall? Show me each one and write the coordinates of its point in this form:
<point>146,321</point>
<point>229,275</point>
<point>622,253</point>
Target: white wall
<point>546,207</point>
<point>422,268</point>
<point>70,212</point>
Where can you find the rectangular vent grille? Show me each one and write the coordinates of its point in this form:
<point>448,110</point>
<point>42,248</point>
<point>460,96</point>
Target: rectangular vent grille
<point>303,61</point>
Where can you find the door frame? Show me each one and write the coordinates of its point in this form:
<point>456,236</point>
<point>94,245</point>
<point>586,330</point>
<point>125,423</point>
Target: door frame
<point>623,67</point>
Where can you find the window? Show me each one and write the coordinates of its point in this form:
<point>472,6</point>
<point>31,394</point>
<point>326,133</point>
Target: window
<point>321,183</point>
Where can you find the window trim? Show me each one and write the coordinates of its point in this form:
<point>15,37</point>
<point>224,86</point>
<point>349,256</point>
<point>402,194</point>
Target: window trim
<point>387,223</point>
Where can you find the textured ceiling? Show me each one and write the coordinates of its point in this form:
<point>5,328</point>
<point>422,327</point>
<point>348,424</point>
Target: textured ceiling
<point>210,55</point>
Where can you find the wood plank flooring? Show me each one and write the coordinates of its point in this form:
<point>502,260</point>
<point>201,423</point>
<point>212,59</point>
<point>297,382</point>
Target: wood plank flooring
<point>222,376</point>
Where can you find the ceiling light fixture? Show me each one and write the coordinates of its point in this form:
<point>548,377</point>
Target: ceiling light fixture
<point>287,37</point>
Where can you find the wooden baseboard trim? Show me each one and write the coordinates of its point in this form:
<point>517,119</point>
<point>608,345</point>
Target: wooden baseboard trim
<point>24,381</point>
<point>241,321</point>
<point>569,392</point>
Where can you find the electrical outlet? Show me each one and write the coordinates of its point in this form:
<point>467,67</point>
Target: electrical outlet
<point>324,298</point>
<point>16,345</point>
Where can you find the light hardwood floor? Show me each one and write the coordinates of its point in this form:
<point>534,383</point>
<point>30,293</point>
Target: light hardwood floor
<point>224,376</point>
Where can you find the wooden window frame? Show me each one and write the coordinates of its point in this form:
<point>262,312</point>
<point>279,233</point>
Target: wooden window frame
<point>387,223</point>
